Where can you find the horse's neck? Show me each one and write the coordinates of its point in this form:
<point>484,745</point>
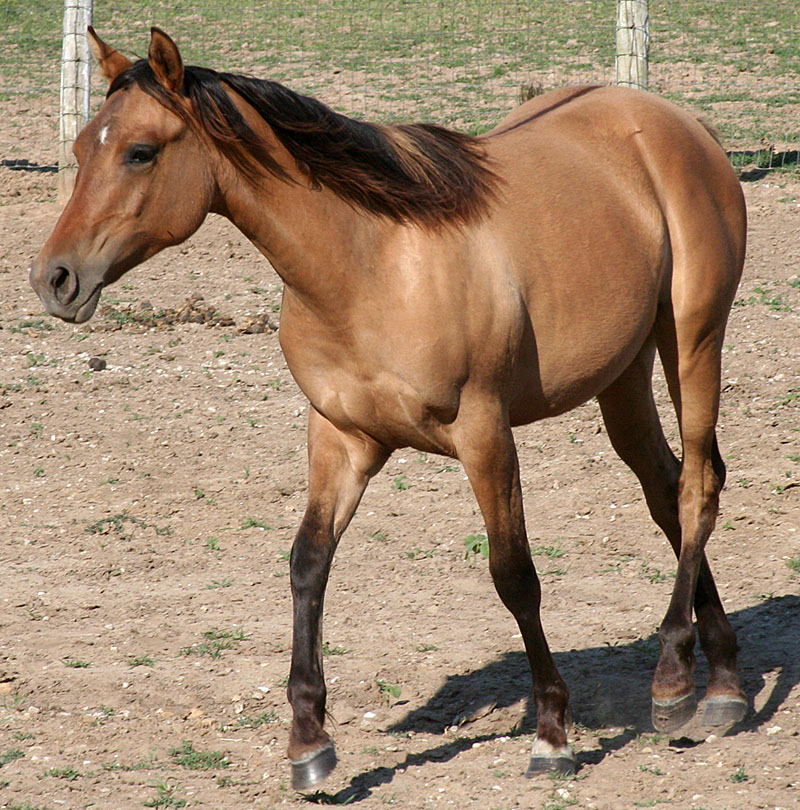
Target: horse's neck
<point>312,238</point>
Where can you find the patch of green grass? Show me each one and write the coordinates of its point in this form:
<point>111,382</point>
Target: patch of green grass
<point>69,774</point>
<point>739,776</point>
<point>118,523</point>
<point>18,700</point>
<point>237,634</point>
<point>419,554</point>
<point>655,574</point>
<point>558,803</point>
<point>476,544</point>
<point>201,649</point>
<point>148,764</point>
<point>327,650</point>
<point>216,641</point>
<point>447,468</point>
<point>765,296</point>
<point>247,721</point>
<point>551,552</point>
<point>33,360</point>
<point>190,758</point>
<point>254,523</point>
<point>794,564</point>
<point>219,583</point>
<point>401,483</point>
<point>792,397</point>
<point>101,714</point>
<point>141,661</point>
<point>165,797</point>
<point>388,690</point>
<point>35,325</point>
<point>75,663</point>
<point>10,756</point>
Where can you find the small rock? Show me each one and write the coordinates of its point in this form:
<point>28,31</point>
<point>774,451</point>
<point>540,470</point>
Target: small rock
<point>97,363</point>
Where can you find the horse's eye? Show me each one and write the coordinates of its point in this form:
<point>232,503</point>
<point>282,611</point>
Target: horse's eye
<point>140,154</point>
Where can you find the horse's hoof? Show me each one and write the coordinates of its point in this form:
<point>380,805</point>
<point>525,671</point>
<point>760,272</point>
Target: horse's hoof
<point>313,768</point>
<point>547,759</point>
<point>718,714</point>
<point>674,713</point>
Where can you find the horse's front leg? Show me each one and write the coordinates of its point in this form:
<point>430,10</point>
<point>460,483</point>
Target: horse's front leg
<point>340,466</point>
<point>490,460</point>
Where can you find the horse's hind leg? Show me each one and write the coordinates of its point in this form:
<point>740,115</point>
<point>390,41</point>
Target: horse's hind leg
<point>690,346</point>
<point>490,460</point>
<point>340,467</point>
<point>635,431</point>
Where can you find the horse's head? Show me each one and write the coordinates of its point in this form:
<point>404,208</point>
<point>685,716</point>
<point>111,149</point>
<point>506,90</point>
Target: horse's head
<point>141,183</point>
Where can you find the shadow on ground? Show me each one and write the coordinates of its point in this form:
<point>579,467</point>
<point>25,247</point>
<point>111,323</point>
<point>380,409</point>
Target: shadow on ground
<point>609,688</point>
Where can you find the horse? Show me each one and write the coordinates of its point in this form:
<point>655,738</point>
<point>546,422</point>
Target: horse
<point>439,290</point>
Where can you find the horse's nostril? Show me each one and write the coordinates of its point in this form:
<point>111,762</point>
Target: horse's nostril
<point>65,284</point>
<point>61,277</point>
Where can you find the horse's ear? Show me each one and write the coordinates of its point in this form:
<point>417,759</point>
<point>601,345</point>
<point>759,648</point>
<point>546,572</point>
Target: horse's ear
<point>111,62</point>
<point>165,60</point>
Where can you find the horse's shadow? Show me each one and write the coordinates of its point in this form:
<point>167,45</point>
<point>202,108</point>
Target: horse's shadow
<point>609,688</point>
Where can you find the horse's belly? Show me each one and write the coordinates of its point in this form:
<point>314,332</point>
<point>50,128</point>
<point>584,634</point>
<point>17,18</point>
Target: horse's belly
<point>561,367</point>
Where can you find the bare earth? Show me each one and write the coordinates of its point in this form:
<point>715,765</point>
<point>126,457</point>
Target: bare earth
<point>147,511</point>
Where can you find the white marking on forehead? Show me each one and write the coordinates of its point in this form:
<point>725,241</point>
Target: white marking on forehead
<point>104,135</point>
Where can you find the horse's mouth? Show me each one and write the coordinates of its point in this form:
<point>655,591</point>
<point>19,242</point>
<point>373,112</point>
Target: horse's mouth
<point>87,308</point>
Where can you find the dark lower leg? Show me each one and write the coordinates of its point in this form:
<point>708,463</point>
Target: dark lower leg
<point>717,637</point>
<point>698,500</point>
<point>340,466</point>
<point>518,587</point>
<point>310,563</point>
<point>637,437</point>
<point>492,467</point>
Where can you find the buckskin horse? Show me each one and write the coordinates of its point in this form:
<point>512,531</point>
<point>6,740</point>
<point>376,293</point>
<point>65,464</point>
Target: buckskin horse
<point>441,289</point>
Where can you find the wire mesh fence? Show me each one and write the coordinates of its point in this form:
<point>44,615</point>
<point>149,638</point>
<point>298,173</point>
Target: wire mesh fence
<point>459,63</point>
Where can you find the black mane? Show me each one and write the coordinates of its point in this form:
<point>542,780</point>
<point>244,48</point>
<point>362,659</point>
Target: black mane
<point>412,173</point>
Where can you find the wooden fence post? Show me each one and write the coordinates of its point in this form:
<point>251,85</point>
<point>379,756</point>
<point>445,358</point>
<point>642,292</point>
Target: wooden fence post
<point>633,43</point>
<point>75,86</point>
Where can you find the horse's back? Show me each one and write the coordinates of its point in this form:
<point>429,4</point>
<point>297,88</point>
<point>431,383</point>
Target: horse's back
<point>618,140</point>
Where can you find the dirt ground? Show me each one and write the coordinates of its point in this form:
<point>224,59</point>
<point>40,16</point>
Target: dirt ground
<point>147,511</point>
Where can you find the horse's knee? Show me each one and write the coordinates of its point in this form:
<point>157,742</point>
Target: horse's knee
<point>516,582</point>
<point>698,495</point>
<point>311,556</point>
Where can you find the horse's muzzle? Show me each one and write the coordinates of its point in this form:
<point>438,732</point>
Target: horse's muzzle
<point>63,292</point>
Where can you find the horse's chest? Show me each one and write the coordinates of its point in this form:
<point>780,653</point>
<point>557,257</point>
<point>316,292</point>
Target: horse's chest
<point>401,401</point>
